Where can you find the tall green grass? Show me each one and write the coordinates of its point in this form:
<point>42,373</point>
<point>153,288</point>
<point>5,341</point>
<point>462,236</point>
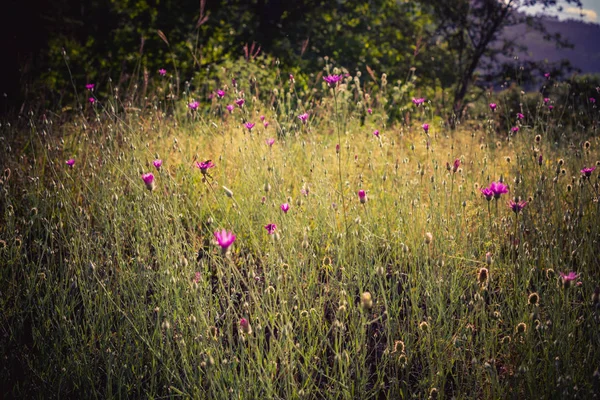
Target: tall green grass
<point>110,290</point>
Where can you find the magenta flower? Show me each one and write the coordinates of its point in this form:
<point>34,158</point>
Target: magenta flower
<point>566,278</point>
<point>592,100</point>
<point>270,141</point>
<point>204,166</point>
<point>517,207</point>
<point>488,193</point>
<point>148,180</point>
<point>90,86</point>
<point>270,228</point>
<point>514,129</point>
<point>266,124</point>
<point>456,165</point>
<point>245,326</point>
<point>498,188</point>
<point>332,80</point>
<point>262,118</point>
<point>157,164</point>
<point>291,77</point>
<point>369,111</point>
<point>546,100</point>
<point>547,75</point>
<point>224,239</point>
<point>92,100</point>
<point>240,102</point>
<point>230,108</point>
<point>70,162</point>
<point>493,106</point>
<point>249,125</point>
<point>550,107</point>
<point>162,72</point>
<point>376,133</point>
<point>220,93</point>
<point>425,127</point>
<point>587,172</point>
<point>419,101</point>
<point>520,116</point>
<point>193,105</point>
<point>303,117</point>
<point>285,207</point>
<point>362,196</point>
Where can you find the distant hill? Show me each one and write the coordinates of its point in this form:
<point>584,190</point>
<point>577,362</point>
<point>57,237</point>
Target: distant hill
<point>584,36</point>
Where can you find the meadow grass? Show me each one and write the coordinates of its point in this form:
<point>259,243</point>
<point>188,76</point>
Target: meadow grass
<point>423,290</point>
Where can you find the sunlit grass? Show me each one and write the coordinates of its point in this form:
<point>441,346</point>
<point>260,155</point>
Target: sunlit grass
<point>113,290</point>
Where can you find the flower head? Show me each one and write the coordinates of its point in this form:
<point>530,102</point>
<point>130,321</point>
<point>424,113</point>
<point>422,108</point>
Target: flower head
<point>70,162</point>
<point>514,129</point>
<point>90,86</point>
<point>240,102</point>
<point>517,206</point>
<point>224,239</point>
<point>550,107</point>
<point>193,105</point>
<point>587,172</point>
<point>220,93</point>
<point>229,107</point>
<point>376,133</point>
<point>369,111</point>
<point>148,180</point>
<point>493,106</point>
<point>92,100</point>
<point>546,100</point>
<point>568,278</point>
<point>332,80</point>
<point>204,166</point>
<point>520,116</point>
<point>362,196</point>
<point>271,228</point>
<point>498,188</point>
<point>249,125</point>
<point>262,118</point>
<point>592,100</point>
<point>162,72</point>
<point>266,124</point>
<point>157,164</point>
<point>419,101</point>
<point>488,193</point>
<point>456,165</point>
<point>285,207</point>
<point>245,326</point>
<point>303,117</point>
<point>425,127</point>
<point>547,75</point>
<point>270,141</point>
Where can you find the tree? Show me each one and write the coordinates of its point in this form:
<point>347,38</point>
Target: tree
<point>473,31</point>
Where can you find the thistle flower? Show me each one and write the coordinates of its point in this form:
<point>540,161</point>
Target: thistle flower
<point>270,141</point>
<point>369,111</point>
<point>92,100</point>
<point>162,72</point>
<point>514,129</point>
<point>193,105</point>
<point>498,188</point>
<point>90,86</point>
<point>249,125</point>
<point>240,102</point>
<point>362,196</point>
<point>204,166</point>
<point>157,164</point>
<point>262,118</point>
<point>493,106</point>
<point>266,124</point>
<point>547,75</point>
<point>488,193</point>
<point>520,116</point>
<point>229,108</point>
<point>592,100</point>
<point>285,207</point>
<point>517,206</point>
<point>245,326</point>
<point>303,117</point>
<point>425,127</point>
<point>546,100</point>
<point>550,107</point>
<point>332,80</point>
<point>70,162</point>
<point>419,101</point>
<point>568,278</point>
<point>456,165</point>
<point>224,239</point>
<point>149,181</point>
<point>587,172</point>
<point>376,133</point>
<point>271,228</point>
<point>220,93</point>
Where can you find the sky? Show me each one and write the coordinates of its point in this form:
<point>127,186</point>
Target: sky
<point>589,12</point>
